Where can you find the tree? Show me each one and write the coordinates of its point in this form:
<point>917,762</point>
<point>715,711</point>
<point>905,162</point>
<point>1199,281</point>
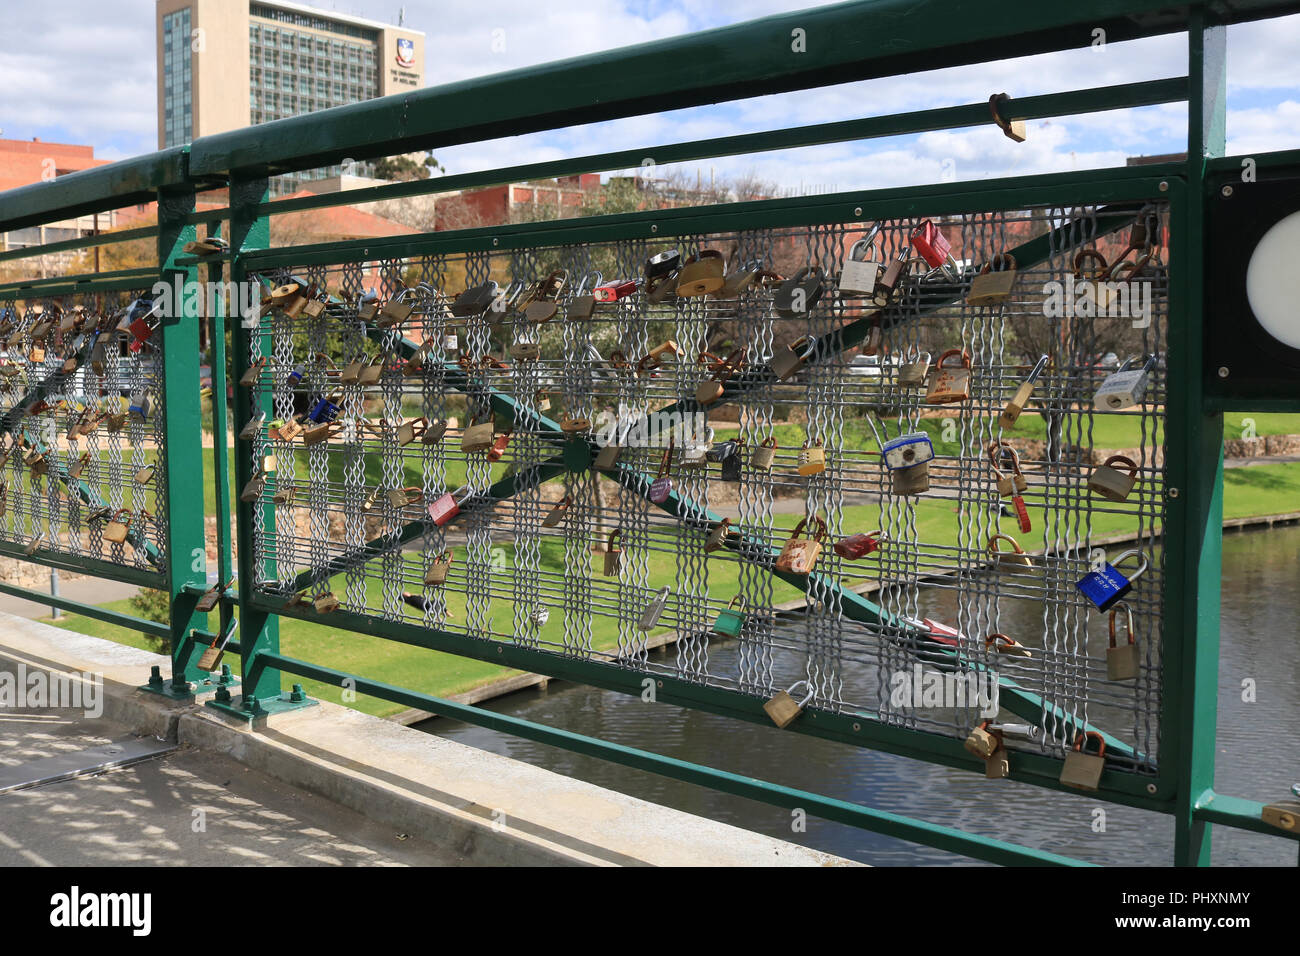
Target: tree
<point>407,167</point>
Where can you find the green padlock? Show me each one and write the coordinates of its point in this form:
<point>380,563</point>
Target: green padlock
<point>732,619</point>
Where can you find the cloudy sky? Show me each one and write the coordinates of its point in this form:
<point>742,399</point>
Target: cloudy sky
<point>83,71</point>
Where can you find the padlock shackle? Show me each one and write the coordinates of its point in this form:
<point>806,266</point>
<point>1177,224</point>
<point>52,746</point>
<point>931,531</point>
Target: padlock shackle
<point>1081,740</point>
<point>803,703</point>
<point>1128,612</point>
<point>961,353</point>
<point>1142,559</point>
<point>1129,463</point>
<point>1000,260</point>
<point>1093,255</point>
<point>993,544</point>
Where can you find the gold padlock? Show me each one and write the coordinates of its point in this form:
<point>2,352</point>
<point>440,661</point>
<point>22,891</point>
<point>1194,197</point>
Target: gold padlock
<point>718,535</point>
<point>1111,483</point>
<point>285,495</point>
<point>783,708</point>
<point>436,575</point>
<point>1011,413</point>
<point>1014,483</point>
<point>712,389</point>
<point>250,377</point>
<point>613,553</point>
<point>143,475</point>
<point>993,287</point>
<point>799,554</point>
<point>78,466</point>
<point>790,358</point>
<point>408,432</point>
<point>556,514</point>
<point>701,274</point>
<point>764,454</point>
<point>1083,770</point>
<point>997,765</point>
<point>1014,561</point>
<point>315,434</point>
<point>950,384</point>
<point>478,436</point>
<point>912,480</point>
<point>981,741</point>
<point>812,459</point>
<point>116,530</point>
<point>1285,815</point>
<point>1122,660</point>
<point>373,372</point>
<point>253,490</point>
<point>434,433</point>
<point>913,373</point>
<point>403,497</point>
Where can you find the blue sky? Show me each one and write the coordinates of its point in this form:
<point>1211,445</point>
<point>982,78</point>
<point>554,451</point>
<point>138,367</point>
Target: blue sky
<point>83,71</point>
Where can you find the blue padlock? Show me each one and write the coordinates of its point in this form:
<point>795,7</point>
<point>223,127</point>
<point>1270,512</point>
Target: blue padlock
<point>296,375</point>
<point>1106,587</point>
<point>323,411</point>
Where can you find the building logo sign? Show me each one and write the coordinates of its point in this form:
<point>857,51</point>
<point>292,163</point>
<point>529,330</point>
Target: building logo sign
<point>405,53</point>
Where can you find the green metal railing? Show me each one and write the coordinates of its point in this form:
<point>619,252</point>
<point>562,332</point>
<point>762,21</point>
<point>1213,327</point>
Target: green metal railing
<point>844,43</point>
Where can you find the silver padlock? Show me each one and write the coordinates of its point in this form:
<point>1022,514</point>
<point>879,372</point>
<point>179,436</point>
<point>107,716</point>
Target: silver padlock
<point>860,273</point>
<point>1124,387</point>
<point>650,616</point>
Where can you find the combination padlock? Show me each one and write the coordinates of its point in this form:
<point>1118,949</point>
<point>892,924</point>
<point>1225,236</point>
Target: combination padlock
<point>1014,561</point>
<point>1107,586</point>
<point>1083,770</point>
<point>798,295</point>
<point>1122,659</point>
<point>860,274</point>
<point>1111,483</point>
<point>764,455</point>
<point>994,283</point>
<point>783,709</point>
<point>1124,387</point>
<point>650,616</point>
<point>950,383</point>
<point>913,372</point>
<point>812,459</point>
<point>731,620</point>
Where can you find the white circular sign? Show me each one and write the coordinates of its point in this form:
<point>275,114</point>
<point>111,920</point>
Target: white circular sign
<point>1273,281</point>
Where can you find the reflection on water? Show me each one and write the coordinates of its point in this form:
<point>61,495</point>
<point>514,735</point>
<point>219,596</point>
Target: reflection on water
<point>1256,751</point>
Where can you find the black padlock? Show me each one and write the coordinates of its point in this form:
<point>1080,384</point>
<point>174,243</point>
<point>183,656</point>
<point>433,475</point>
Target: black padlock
<point>797,295</point>
<point>723,451</point>
<point>475,300</point>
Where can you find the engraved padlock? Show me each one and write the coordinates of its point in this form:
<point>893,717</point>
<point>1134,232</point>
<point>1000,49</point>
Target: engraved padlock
<point>1107,586</point>
<point>950,383</point>
<point>1081,769</point>
<point>1122,659</point>
<point>783,708</point>
<point>800,554</point>
<point>1111,483</point>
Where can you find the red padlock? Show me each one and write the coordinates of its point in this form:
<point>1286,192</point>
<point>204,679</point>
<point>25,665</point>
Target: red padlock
<point>930,242</point>
<point>498,447</point>
<point>1022,513</point>
<point>858,545</point>
<point>614,291</point>
<point>443,508</point>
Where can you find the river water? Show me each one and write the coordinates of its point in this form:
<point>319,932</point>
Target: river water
<point>1257,752</point>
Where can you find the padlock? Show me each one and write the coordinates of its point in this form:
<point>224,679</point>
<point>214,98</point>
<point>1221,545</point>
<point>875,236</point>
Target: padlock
<point>662,486</point>
<point>613,553</point>
<point>655,357</point>
<point>475,300</point>
<point>450,340</point>
<point>1284,814</point>
<point>857,546</point>
<point>1124,387</point>
<point>1011,413</point>
<point>711,390</point>
<point>403,497</point>
<point>396,311</point>
<point>764,455</point>
<point>740,279</point>
<point>724,450</point>
<point>717,538</point>
<point>556,514</point>
<point>436,574</point>
<point>614,291</point>
<point>1014,561</point>
<point>285,495</point>
<point>607,457</point>
<point>933,246</point>
<point>115,422</point>
<point>37,462</point>
<point>478,436</point>
<point>288,431</point>
<point>1014,483</point>
<point>371,374</point>
<point>702,274</point>
<point>994,283</point>
<point>663,264</point>
<point>539,615</point>
<point>731,620</point>
<point>443,508</point>
<point>408,432</point>
<point>1002,644</point>
<point>525,350</point>
<point>1107,586</point>
<point>253,429</point>
<point>1111,483</point>
<point>783,709</point>
<point>733,466</point>
<point>907,451</point>
<point>434,432</point>
<point>210,659</point>
<point>325,603</point>
<point>1122,660</point>
<point>499,446</point>
<point>910,481</point>
<point>143,475</point>
<point>800,554</point>
<point>34,545</point>
<point>117,529</point>
<point>583,303</point>
<point>812,459</point>
<point>950,384</point>
<point>912,374</point>
<point>324,409</point>
<point>352,370</point>
<point>653,610</point>
<point>661,289</point>
<point>981,741</point>
<point>1081,769</point>
<point>575,426</point>
<point>790,358</point>
<point>253,490</point>
<point>543,401</point>
<point>77,467</point>
<point>797,296</point>
<point>1114,295</point>
<point>860,274</point>
<point>250,377</point>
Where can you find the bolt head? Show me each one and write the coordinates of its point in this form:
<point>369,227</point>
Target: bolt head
<point>857,211</point>
<point>1226,191</point>
<point>1223,371</point>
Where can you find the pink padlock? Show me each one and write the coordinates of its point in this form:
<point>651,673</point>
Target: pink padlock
<point>443,508</point>
<point>931,243</point>
<point>858,545</point>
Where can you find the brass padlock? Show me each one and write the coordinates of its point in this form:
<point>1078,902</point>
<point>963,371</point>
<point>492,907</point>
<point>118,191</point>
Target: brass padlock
<point>912,480</point>
<point>325,603</point>
<point>315,434</point>
<point>403,497</point>
<point>981,741</point>
<point>613,553</point>
<point>790,358</point>
<point>1122,660</point>
<point>285,495</point>
<point>1014,561</point>
<point>556,514</point>
<point>950,384</point>
<point>290,429</point>
<point>1285,814</point>
<point>37,351</point>
<point>1083,770</point>
<point>117,529</point>
<point>1012,484</point>
<point>583,304</point>
<point>607,457</point>
<point>783,708</point>
<point>478,436</point>
<point>114,422</point>
<point>992,287</point>
<point>701,274</point>
<point>525,350</point>
<point>711,390</point>
<point>997,766</point>
<point>1011,413</point>
<point>396,311</point>
<point>434,433</point>
<point>436,575</point>
<point>78,466</point>
<point>373,372</point>
<point>408,432</point>
<point>764,455</point>
<point>1111,483</point>
<point>913,373</point>
<point>1002,644</point>
<point>352,370</point>
<point>740,279</point>
<point>799,554</point>
<point>812,459</point>
<point>253,490</point>
<point>37,462</point>
<point>143,475</point>
<point>250,377</point>
<point>717,536</point>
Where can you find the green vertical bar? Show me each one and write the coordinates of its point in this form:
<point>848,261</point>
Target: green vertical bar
<point>220,464</point>
<point>1194,462</point>
<point>182,438</point>
<point>259,631</point>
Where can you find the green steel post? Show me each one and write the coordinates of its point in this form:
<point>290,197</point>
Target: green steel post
<point>183,446</point>
<point>260,631</point>
<point>220,464</point>
<point>1194,525</point>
